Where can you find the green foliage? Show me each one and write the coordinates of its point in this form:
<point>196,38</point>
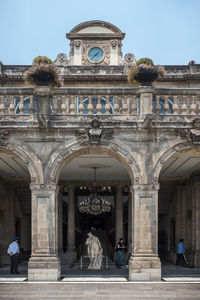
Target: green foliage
<point>42,59</point>
<point>145,61</point>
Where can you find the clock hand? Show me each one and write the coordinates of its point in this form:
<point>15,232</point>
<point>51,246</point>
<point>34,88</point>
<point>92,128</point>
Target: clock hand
<point>94,55</point>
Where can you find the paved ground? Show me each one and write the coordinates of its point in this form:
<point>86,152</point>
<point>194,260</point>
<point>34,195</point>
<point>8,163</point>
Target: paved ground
<point>99,291</point>
<point>175,287</point>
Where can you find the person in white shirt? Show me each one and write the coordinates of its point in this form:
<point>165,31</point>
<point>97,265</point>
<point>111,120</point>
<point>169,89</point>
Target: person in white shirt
<point>13,251</point>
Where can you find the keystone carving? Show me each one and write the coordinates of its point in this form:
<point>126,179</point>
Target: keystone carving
<point>95,133</point>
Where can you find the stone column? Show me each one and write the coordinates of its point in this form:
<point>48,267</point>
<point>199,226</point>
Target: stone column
<point>44,263</point>
<point>196,220</point>
<point>144,263</point>
<point>60,222</point>
<point>71,255</point>
<point>119,214</point>
<point>146,98</point>
<point>129,217</point>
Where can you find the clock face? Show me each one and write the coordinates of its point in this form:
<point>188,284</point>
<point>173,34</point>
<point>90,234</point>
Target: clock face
<point>95,54</point>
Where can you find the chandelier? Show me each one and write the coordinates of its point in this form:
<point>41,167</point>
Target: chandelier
<point>94,204</point>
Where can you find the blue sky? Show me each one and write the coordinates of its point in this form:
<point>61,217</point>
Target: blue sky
<point>168,31</point>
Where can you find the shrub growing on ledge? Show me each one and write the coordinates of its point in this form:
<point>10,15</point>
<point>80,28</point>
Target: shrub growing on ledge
<point>144,72</point>
<point>42,72</point>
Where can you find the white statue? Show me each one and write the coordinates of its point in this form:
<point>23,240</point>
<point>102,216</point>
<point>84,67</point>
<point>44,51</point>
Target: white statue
<point>95,252</point>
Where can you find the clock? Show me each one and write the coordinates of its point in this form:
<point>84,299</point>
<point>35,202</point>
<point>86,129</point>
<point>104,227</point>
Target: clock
<point>95,54</point>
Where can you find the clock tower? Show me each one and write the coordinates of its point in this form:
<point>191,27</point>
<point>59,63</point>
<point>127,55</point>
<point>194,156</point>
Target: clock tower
<point>95,43</point>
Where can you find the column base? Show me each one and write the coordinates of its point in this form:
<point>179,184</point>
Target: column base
<point>145,268</point>
<point>44,268</point>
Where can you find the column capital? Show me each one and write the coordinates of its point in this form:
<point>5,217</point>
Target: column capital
<point>43,187</point>
<point>144,187</point>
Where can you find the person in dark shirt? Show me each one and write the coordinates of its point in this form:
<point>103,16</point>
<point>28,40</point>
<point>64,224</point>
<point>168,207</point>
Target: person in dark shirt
<point>120,247</point>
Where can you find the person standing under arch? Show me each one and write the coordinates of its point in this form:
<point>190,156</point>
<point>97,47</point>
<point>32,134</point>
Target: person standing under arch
<point>120,247</point>
<point>13,251</point>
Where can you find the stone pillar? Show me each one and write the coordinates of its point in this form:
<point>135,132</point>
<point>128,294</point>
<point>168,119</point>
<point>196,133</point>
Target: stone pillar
<point>144,263</point>
<point>119,214</point>
<point>60,222</point>
<point>70,254</point>
<point>129,217</point>
<point>44,263</point>
<point>180,213</point>
<point>146,98</point>
<point>196,220</point>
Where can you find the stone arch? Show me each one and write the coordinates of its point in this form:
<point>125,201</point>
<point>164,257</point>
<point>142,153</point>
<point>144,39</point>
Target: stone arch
<point>166,154</point>
<point>65,154</point>
<point>34,165</point>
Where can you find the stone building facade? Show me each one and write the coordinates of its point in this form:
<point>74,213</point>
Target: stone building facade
<point>143,141</point>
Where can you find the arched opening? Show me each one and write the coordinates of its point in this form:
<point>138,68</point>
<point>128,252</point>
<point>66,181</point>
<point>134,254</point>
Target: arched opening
<point>77,180</point>
<point>179,204</point>
<point>15,207</point>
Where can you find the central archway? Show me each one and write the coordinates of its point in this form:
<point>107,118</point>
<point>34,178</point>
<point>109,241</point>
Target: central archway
<point>114,178</point>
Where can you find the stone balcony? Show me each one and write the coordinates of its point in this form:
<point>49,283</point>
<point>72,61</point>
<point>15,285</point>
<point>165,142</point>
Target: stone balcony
<point>119,107</point>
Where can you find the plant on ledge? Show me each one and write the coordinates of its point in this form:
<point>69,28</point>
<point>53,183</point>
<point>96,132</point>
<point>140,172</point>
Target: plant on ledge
<point>42,73</point>
<point>145,72</point>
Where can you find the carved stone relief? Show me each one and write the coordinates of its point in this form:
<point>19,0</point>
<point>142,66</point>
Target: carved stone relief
<point>77,43</point>
<point>95,133</point>
<point>114,44</point>
<point>61,59</point>
<point>129,59</point>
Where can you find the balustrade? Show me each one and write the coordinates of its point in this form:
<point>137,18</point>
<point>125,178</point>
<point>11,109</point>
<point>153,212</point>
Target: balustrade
<point>176,104</point>
<point>22,101</point>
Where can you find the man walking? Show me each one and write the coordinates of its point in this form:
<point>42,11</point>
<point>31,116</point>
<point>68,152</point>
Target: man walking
<point>180,253</point>
<point>13,251</point>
